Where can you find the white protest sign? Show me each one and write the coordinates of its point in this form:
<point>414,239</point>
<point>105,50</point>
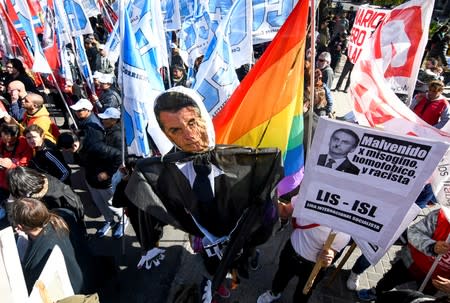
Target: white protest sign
<point>366,20</point>
<point>374,179</point>
<point>441,181</point>
<point>55,278</point>
<point>12,283</point>
<point>374,253</point>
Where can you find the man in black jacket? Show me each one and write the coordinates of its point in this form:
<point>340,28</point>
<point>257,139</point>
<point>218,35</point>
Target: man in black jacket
<point>100,161</point>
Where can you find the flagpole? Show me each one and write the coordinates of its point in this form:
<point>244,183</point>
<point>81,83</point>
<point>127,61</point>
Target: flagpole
<point>64,100</point>
<point>311,84</point>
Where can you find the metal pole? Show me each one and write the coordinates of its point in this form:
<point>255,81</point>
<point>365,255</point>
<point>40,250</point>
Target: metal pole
<point>64,101</point>
<point>313,63</point>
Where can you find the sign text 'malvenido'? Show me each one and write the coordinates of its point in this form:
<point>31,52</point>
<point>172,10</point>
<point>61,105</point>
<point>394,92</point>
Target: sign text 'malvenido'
<point>399,147</point>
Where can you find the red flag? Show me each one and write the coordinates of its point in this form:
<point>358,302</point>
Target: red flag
<point>49,44</point>
<point>17,44</point>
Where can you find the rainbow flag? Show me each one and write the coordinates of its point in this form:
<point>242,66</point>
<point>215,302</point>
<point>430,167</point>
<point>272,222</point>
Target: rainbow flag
<point>266,109</point>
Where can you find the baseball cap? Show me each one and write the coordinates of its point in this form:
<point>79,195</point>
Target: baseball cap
<point>82,104</point>
<point>110,113</point>
<point>106,78</point>
<point>97,74</point>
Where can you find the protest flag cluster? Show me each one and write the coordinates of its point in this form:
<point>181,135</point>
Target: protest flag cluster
<point>272,94</point>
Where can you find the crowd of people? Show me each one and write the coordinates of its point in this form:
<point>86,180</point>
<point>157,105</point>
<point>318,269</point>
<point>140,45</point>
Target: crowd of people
<point>193,187</point>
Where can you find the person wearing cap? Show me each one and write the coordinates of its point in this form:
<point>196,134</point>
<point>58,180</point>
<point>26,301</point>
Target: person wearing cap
<point>36,113</point>
<point>102,63</point>
<point>109,97</point>
<point>110,119</point>
<point>99,161</point>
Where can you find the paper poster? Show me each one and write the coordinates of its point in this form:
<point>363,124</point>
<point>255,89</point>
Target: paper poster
<point>363,181</point>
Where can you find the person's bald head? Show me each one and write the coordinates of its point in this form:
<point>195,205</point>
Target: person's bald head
<point>32,102</point>
<point>16,89</point>
<point>16,84</point>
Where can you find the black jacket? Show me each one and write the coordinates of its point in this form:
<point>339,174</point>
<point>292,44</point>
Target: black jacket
<point>60,195</point>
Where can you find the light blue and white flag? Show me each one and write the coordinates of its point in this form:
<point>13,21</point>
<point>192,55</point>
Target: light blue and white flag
<point>189,7</point>
<point>140,82</point>
<point>91,8</point>
<point>268,17</point>
<point>64,30</point>
<point>216,78</point>
<point>240,27</point>
<point>196,33</point>
<point>147,23</point>
<point>40,63</point>
<point>171,13</point>
<point>75,15</point>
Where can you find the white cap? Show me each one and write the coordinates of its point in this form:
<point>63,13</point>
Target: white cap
<point>106,78</point>
<point>97,74</point>
<point>82,104</point>
<point>110,113</point>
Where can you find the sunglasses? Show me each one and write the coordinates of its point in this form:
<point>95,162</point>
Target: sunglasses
<point>322,60</point>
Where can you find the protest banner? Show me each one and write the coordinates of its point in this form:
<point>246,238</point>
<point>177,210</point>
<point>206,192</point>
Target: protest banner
<point>375,178</point>
<point>366,21</point>
<point>441,181</point>
<point>54,278</point>
<point>12,282</point>
<point>374,253</point>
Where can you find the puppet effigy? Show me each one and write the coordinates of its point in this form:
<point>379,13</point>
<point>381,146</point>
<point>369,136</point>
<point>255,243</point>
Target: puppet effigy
<point>224,194</point>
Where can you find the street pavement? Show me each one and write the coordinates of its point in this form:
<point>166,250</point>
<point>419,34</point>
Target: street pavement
<point>182,268</point>
<point>123,282</point>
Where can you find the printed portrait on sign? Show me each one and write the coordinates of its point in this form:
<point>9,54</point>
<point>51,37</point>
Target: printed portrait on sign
<point>342,142</point>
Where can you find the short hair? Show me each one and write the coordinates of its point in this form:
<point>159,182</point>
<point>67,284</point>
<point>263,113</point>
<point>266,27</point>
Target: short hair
<point>326,56</point>
<point>173,101</point>
<point>33,128</point>
<point>25,182</point>
<point>348,132</point>
<point>436,84</point>
<point>36,99</point>
<point>67,139</point>
<point>16,84</point>
<point>10,129</point>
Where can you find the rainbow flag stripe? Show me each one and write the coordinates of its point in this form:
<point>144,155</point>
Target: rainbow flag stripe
<point>266,109</point>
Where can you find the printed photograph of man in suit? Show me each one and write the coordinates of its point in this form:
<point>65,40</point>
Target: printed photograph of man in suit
<point>342,142</point>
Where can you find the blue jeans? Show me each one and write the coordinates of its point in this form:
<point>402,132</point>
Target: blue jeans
<point>425,196</point>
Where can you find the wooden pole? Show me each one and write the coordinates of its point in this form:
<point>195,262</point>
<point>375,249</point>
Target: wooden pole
<point>318,265</point>
<point>342,263</point>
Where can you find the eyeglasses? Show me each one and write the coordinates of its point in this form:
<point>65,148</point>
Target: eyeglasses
<point>322,60</point>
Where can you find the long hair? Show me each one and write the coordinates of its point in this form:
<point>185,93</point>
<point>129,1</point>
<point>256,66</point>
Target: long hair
<point>17,64</point>
<point>24,182</point>
<point>32,213</point>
